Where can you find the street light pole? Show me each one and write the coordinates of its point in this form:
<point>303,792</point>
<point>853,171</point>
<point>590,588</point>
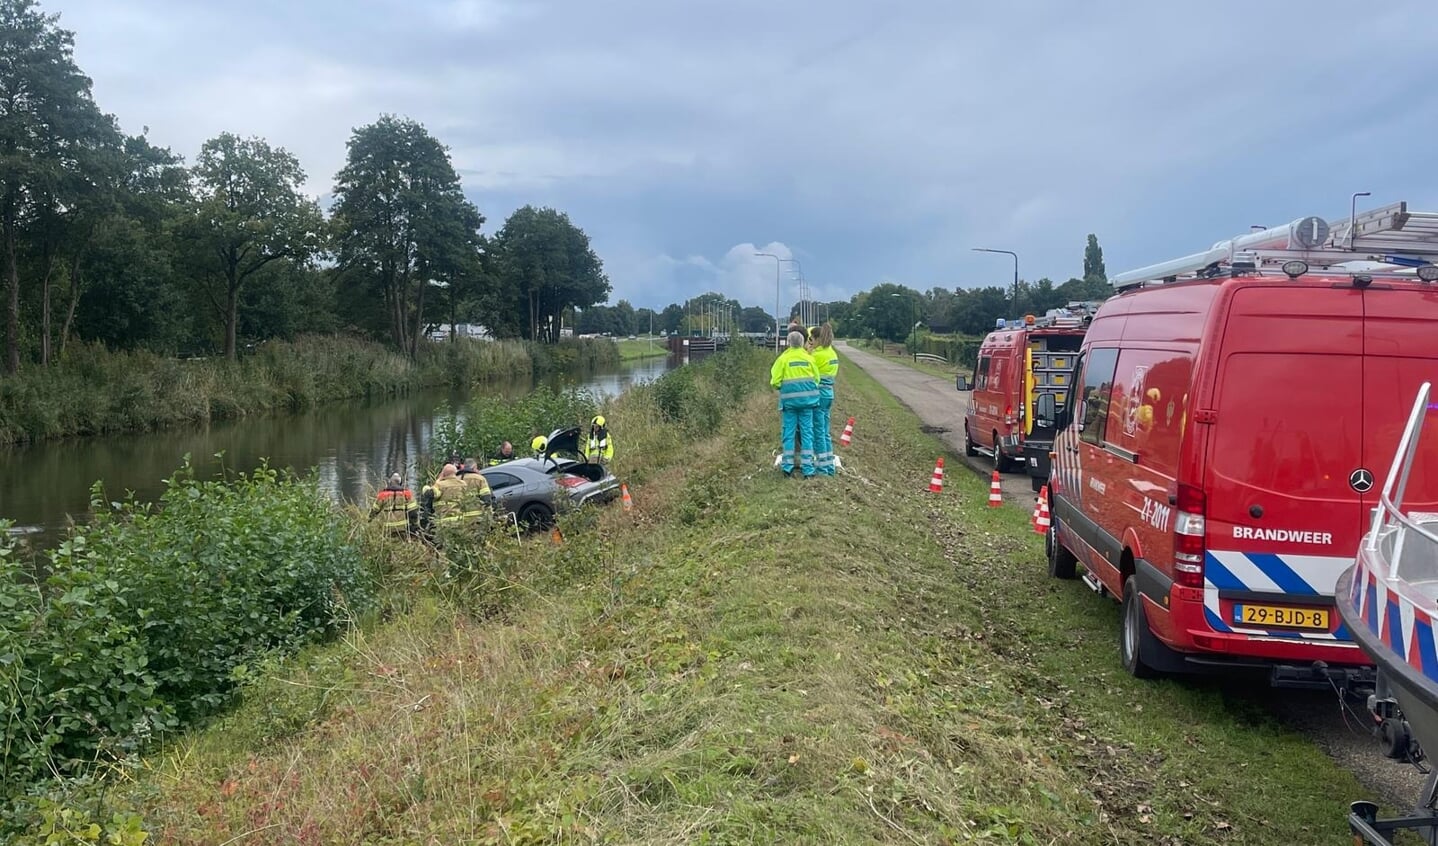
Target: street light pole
<point>778,265</point>
<point>1016,268</point>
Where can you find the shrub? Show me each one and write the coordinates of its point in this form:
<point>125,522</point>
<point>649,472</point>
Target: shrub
<point>149,614</point>
<point>486,422</point>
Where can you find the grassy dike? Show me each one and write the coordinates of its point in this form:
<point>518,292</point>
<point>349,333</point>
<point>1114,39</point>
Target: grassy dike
<point>95,391</point>
<point>642,348</point>
<point>746,658</point>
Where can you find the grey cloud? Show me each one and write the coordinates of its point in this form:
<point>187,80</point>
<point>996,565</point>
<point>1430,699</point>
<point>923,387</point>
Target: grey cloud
<point>880,139</point>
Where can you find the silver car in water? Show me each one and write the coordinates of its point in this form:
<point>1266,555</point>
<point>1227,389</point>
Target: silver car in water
<point>535,489</point>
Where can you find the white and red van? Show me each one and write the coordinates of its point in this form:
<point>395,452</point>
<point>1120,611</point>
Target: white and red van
<point>1018,362</point>
<point>1230,420</point>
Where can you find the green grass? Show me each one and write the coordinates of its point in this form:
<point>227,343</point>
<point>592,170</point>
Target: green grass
<point>641,348</point>
<point>746,658</point>
<point>943,371</point>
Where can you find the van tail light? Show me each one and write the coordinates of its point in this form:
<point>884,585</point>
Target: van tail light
<point>1188,536</point>
<point>1009,415</point>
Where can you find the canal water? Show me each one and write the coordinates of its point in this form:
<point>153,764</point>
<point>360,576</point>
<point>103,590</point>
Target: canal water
<point>352,446</point>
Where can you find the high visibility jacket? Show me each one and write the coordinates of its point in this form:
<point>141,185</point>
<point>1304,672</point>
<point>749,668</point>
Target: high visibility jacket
<point>448,499</point>
<point>601,446</point>
<point>477,494</point>
<point>397,505</point>
<point>500,458</point>
<point>826,363</point>
<point>793,373</point>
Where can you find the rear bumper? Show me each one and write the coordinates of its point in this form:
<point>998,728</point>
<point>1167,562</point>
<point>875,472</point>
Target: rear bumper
<point>1195,638</point>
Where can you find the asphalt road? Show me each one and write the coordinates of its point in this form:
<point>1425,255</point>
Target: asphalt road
<point>1319,715</point>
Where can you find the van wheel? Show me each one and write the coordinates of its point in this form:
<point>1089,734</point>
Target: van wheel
<point>1062,563</point>
<point>969,449</point>
<point>1001,461</point>
<point>1134,635</point>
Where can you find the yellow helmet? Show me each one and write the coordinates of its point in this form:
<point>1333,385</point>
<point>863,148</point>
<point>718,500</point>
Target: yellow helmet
<point>539,443</point>
<point>598,420</point>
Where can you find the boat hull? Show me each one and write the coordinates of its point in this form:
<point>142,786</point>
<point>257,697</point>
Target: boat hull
<point>1398,634</point>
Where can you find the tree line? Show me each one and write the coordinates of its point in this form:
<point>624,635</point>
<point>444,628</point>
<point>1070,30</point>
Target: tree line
<point>892,311</point>
<point>107,237</point>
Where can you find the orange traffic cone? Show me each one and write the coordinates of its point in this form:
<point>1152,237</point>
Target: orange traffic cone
<point>936,484</point>
<point>628,501</point>
<point>1041,525</point>
<point>1034,517</point>
<point>848,435</point>
<point>996,494</point>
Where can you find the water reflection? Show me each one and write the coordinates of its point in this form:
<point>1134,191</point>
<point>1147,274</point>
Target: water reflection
<point>352,447</point>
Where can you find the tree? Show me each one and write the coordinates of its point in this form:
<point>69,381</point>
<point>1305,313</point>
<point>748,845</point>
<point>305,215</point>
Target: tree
<point>49,123</point>
<point>546,265</point>
<point>644,319</point>
<point>624,319</point>
<point>672,318</point>
<point>755,319</point>
<point>121,248</point>
<point>1093,261</point>
<point>402,222</point>
<point>250,213</point>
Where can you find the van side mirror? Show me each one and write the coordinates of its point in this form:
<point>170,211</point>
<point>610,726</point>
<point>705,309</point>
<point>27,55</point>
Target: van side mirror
<point>961,382</point>
<point>1046,410</point>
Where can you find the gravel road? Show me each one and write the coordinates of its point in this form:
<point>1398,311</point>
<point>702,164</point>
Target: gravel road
<point>1317,715</point>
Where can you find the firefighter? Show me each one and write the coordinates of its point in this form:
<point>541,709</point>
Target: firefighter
<point>826,364</point>
<point>601,444</point>
<point>478,498</point>
<point>539,444</point>
<point>445,495</point>
<point>793,375</point>
<point>397,504</point>
<point>505,453</point>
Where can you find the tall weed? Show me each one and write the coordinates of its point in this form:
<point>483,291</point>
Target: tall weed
<point>93,390</point>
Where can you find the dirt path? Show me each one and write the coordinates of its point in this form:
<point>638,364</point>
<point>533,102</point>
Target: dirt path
<point>941,408</point>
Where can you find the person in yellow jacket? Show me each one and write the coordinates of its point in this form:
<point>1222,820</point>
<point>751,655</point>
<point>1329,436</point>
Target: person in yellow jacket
<point>397,504</point>
<point>601,446</point>
<point>826,364</point>
<point>478,498</point>
<point>447,493</point>
<point>794,376</point>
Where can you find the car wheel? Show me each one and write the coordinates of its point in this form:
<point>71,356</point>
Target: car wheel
<point>536,515</point>
<point>969,448</point>
<point>1062,563</point>
<point>1134,634</point>
<point>1001,462</point>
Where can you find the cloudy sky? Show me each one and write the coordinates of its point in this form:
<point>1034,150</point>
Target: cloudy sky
<point>872,141</point>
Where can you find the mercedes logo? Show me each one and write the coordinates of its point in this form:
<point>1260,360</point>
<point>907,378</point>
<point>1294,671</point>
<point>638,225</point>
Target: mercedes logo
<point>1361,480</point>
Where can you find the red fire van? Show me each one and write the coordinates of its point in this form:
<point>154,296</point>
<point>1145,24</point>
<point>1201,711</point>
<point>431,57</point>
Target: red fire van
<point>1231,414</point>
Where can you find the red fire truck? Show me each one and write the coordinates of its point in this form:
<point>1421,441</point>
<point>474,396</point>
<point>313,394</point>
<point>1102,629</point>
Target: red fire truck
<point>1020,361</point>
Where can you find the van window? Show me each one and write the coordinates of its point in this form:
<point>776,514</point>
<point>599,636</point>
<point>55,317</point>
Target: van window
<point>1149,407</point>
<point>981,376</point>
<point>1095,385</point>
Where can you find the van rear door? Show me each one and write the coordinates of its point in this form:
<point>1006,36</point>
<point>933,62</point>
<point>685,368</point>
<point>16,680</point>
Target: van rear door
<point>1282,520</point>
<point>1401,346</point>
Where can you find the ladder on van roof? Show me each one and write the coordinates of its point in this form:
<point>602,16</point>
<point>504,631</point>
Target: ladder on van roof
<point>1389,240</point>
